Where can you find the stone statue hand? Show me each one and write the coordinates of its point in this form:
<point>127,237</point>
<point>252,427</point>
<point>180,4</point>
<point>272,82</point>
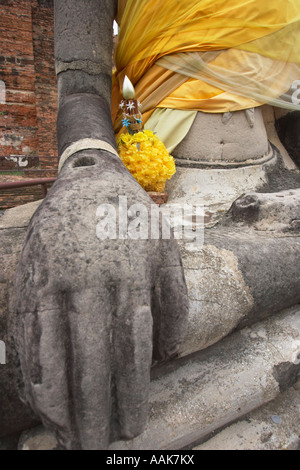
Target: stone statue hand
<point>92,314</point>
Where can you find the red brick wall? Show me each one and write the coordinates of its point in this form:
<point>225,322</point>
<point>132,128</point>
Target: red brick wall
<point>27,119</point>
<point>45,79</point>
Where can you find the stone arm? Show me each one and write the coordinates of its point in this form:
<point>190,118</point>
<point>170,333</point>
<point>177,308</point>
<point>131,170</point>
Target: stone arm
<point>92,313</point>
<point>83,59</point>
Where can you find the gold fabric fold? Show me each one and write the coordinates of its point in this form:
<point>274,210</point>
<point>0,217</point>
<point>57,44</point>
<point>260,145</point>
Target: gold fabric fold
<point>209,56</point>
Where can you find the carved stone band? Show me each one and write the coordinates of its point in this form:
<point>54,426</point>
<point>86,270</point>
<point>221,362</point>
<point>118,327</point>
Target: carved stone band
<point>85,144</point>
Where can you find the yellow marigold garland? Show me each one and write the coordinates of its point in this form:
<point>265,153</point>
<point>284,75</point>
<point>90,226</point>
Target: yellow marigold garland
<point>147,159</point>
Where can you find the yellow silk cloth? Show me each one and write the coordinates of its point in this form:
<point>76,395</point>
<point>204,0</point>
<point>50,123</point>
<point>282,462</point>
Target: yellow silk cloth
<point>207,55</point>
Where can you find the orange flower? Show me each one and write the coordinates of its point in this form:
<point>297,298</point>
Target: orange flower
<point>147,159</point>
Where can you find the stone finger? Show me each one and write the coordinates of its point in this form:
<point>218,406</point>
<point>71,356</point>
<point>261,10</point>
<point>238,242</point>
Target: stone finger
<point>133,357</point>
<point>170,311</point>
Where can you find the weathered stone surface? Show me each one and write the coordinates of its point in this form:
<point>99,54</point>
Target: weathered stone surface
<point>18,217</point>
<point>83,50</point>
<point>224,286</point>
<point>81,116</point>
<point>92,311</point>
<point>38,438</point>
<point>197,395</point>
<point>229,281</point>
<point>14,415</point>
<point>236,278</point>
<point>274,426</point>
<point>218,295</point>
<point>84,328</point>
<point>245,270</point>
<point>277,212</point>
<point>86,356</point>
<point>216,188</point>
<point>213,138</point>
<point>269,267</point>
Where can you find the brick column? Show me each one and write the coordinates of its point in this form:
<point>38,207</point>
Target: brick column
<point>45,80</point>
<point>28,83</point>
<point>18,120</point>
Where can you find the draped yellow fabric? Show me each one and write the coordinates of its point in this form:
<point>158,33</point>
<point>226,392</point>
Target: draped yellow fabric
<point>208,55</point>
